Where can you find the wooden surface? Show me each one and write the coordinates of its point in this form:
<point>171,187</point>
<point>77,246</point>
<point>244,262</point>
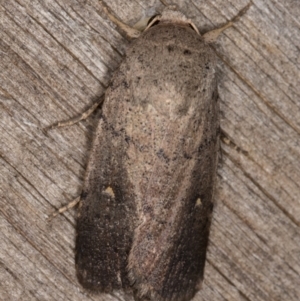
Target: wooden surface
<point>57,56</point>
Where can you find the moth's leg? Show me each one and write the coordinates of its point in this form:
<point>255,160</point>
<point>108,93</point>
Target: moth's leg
<point>226,140</point>
<point>130,32</point>
<point>64,208</point>
<point>212,35</point>
<point>75,120</point>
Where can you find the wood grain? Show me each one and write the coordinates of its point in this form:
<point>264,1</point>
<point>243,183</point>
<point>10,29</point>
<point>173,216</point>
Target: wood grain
<point>57,57</point>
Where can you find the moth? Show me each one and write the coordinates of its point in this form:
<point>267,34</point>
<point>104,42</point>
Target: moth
<point>146,206</point>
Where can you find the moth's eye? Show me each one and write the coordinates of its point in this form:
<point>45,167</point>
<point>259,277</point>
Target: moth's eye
<point>151,19</point>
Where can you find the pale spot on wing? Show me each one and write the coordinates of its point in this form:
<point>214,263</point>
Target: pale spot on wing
<point>110,191</point>
<point>119,277</point>
<point>198,202</point>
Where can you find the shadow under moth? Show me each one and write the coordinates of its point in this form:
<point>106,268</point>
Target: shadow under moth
<point>147,201</point>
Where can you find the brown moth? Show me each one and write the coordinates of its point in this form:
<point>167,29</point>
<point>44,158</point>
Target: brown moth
<point>147,200</point>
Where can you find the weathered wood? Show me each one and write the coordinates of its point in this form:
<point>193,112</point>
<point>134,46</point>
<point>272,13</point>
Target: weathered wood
<point>57,56</point>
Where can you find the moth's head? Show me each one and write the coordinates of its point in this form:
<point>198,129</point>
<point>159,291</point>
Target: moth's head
<point>172,15</point>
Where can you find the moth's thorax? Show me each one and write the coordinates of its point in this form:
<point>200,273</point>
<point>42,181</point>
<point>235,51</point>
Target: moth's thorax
<point>172,62</point>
